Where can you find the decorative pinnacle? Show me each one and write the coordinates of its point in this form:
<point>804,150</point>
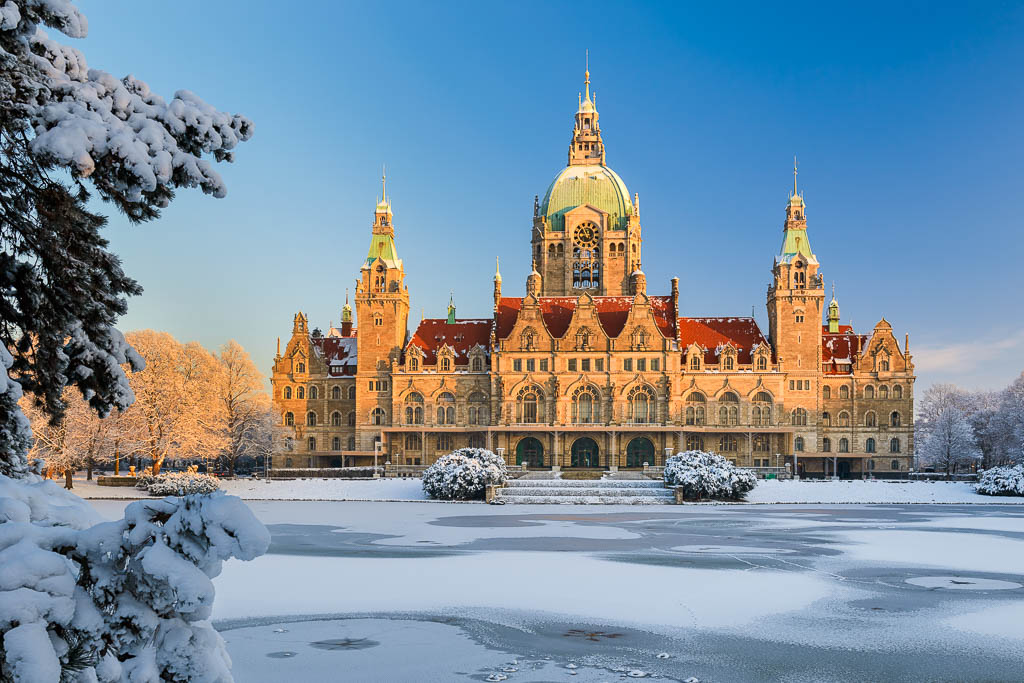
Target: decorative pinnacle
<point>794,175</point>
<point>497,269</point>
<point>384,183</point>
<point>586,76</point>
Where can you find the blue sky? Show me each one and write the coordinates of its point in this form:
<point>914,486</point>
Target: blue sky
<point>906,120</point>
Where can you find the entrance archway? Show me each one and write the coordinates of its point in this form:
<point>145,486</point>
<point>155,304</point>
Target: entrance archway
<point>335,462</point>
<point>531,451</point>
<point>639,451</point>
<point>585,453</point>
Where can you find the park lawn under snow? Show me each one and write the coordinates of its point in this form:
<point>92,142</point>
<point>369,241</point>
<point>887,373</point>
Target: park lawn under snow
<point>770,491</point>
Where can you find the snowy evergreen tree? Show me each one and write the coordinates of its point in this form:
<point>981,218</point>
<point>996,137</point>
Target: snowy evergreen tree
<point>80,599</point>
<point>1002,481</point>
<point>950,443</point>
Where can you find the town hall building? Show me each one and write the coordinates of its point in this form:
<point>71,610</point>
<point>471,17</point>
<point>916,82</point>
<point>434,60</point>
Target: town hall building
<point>590,369</point>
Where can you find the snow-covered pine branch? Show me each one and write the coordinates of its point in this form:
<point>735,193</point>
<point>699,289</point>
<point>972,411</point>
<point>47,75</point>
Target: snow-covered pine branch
<point>708,475</point>
<point>464,474</point>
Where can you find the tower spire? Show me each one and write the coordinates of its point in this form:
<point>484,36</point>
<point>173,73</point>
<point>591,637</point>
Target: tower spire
<point>586,76</point>
<point>794,176</point>
<point>384,183</point>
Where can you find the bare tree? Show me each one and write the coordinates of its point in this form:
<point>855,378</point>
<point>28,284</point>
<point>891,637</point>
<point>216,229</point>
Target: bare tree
<point>950,443</point>
<point>245,407</point>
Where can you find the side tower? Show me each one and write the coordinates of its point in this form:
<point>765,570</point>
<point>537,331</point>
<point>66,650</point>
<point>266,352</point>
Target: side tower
<point>586,230</point>
<point>795,305</point>
<point>382,315</point>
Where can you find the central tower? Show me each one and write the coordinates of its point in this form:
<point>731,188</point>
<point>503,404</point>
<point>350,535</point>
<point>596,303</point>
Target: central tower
<point>586,230</point>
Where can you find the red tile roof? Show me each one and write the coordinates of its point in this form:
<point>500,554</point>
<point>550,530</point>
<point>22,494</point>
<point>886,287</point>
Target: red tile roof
<point>840,348</point>
<point>612,311</point>
<point>338,353</point>
<point>462,335</point>
<point>712,333</point>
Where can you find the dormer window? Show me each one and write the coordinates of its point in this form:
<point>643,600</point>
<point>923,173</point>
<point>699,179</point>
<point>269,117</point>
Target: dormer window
<point>694,362</point>
<point>478,364</point>
<point>446,364</point>
<point>414,364</point>
<point>727,363</point>
<point>301,367</point>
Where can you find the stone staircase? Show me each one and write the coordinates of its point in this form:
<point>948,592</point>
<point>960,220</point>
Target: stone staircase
<point>585,492</point>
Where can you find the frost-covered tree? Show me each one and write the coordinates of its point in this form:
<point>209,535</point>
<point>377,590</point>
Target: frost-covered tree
<point>83,601</point>
<point>702,474</point>
<point>464,474</point>
<point>950,443</point>
<point>246,413</point>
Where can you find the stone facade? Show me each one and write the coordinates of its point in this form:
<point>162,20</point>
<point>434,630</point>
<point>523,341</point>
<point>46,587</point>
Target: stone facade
<point>590,370</point>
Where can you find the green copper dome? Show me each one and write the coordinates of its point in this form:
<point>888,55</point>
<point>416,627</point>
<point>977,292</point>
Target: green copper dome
<point>598,186</point>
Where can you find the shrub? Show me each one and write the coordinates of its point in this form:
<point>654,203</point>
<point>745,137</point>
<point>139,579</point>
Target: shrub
<point>464,474</point>
<point>144,481</point>
<point>1002,481</point>
<point>707,475</point>
<point>183,484</point>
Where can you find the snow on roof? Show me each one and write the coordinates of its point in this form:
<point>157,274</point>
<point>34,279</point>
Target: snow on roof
<point>712,334</point>
<point>339,353</point>
<point>839,350</point>
<point>557,311</point>
<point>462,336</point>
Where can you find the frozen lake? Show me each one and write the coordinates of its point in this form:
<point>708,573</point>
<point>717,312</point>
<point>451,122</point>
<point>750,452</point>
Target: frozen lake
<point>369,591</point>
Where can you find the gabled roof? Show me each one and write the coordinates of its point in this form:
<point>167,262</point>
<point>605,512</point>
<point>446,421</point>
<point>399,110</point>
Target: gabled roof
<point>839,348</point>
<point>714,333</point>
<point>462,335</point>
<point>557,311</point>
<point>338,354</point>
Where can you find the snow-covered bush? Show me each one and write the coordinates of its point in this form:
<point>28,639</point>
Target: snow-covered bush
<point>115,601</point>
<point>708,475</point>
<point>182,484</point>
<point>464,474</point>
<point>1002,481</point>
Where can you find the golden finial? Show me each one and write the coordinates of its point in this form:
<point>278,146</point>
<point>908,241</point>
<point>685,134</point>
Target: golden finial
<point>586,76</point>
<point>497,269</point>
<point>384,183</point>
<point>794,175</point>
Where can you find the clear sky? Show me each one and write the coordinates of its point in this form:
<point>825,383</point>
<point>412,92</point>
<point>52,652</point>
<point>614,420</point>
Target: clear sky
<point>906,119</point>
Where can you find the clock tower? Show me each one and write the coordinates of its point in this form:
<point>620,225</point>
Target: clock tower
<point>586,230</point>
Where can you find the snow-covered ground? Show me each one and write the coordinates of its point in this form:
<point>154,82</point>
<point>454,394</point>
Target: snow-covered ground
<point>770,491</point>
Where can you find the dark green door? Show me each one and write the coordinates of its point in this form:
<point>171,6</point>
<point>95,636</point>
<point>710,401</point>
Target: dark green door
<point>639,451</point>
<point>585,453</point>
<point>844,469</point>
<point>531,451</point>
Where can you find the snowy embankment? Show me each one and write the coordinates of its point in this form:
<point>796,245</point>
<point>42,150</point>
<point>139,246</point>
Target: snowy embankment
<point>770,491</point>
<point>776,491</point>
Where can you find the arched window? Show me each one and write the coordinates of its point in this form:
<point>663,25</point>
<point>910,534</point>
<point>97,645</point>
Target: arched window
<point>694,442</point>
<point>352,419</point>
<point>301,367</point>
<point>763,408</point>
<point>728,363</point>
<point>844,445</point>
<point>528,405</point>
<point>351,443</point>
<point>762,363</point>
<point>336,393</point>
<point>694,362</point>
<point>869,445</point>
<point>883,366</point>
<point>446,364</point>
<point>336,443</point>
<point>585,406</point>
<point>729,414</point>
<point>413,442</point>
<point>826,392</point>
<point>300,392</point>
<point>869,391</point>
<point>871,465</point>
<point>894,465</point>
<point>477,408</point>
<point>478,364</point>
<point>642,405</point>
<point>761,443</point>
<point>894,419</point>
<point>844,419</point>
<point>799,416</point>
<point>286,392</point>
<point>352,393</point>
<point>727,443</point>
<point>826,419</point>
<point>377,416</point>
<point>311,443</point>
<point>335,419</point>
<point>870,420</point>
<point>289,419</point>
<point>446,409</point>
<point>311,419</point>
<point>312,393</point>
<point>897,391</point>
<point>695,409</point>
<point>844,391</point>
<point>883,391</point>
<point>729,397</point>
<point>826,445</point>
<point>798,444</point>
<point>414,364</point>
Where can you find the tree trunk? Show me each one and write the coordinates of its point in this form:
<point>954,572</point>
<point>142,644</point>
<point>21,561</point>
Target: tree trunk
<point>88,468</point>
<point>68,483</point>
